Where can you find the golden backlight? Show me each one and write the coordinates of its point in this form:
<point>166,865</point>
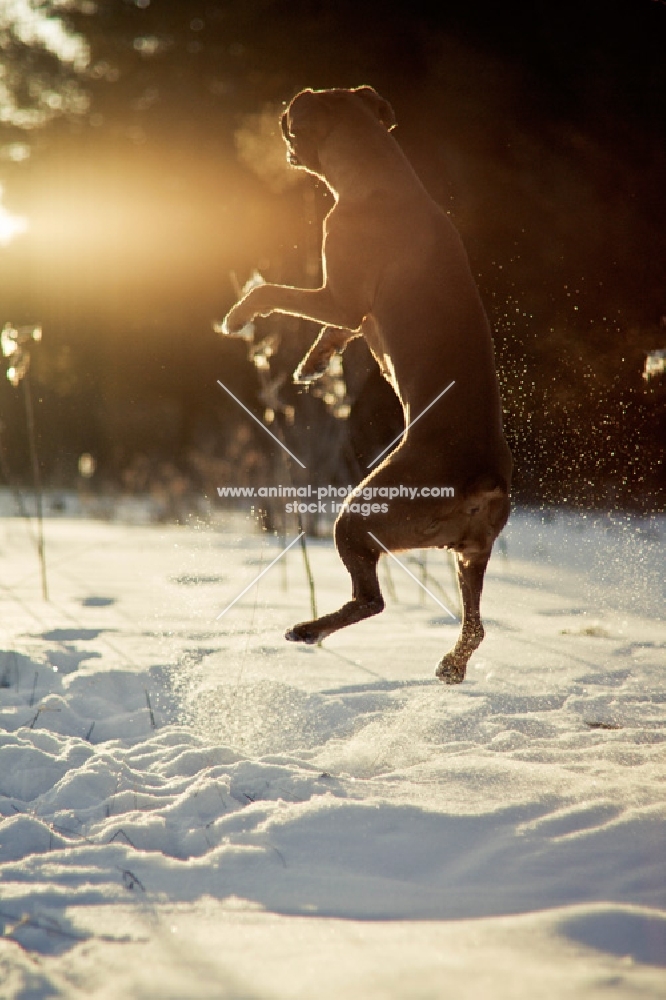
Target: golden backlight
<point>134,226</point>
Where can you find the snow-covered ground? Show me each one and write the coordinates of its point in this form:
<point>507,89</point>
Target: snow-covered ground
<point>197,808</point>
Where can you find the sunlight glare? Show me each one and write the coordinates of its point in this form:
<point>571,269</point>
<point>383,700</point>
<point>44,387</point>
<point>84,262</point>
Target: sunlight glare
<point>10,225</point>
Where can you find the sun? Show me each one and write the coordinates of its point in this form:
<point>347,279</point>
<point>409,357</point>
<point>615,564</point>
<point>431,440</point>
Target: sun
<point>10,225</point>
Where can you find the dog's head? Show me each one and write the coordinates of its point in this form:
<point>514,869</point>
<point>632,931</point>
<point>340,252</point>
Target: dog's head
<point>313,114</point>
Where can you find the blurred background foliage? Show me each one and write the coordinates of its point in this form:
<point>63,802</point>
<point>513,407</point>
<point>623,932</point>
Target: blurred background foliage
<point>138,141</point>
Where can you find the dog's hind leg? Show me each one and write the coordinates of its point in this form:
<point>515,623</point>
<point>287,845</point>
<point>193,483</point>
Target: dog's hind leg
<point>488,510</point>
<point>331,340</point>
<point>471,570</point>
<point>360,555</point>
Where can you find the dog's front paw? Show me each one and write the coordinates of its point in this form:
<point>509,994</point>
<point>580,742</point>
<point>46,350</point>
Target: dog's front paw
<point>236,323</point>
<point>308,371</point>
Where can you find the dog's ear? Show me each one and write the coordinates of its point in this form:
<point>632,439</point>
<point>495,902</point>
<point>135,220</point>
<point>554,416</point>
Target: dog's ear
<point>380,108</point>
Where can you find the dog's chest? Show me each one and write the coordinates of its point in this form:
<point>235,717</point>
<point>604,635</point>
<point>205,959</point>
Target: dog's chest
<point>360,241</point>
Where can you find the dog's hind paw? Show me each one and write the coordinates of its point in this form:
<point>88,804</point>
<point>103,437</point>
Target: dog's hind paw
<point>451,670</point>
<point>302,633</point>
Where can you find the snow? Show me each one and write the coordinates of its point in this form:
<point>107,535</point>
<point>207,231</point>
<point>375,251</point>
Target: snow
<point>197,808</point>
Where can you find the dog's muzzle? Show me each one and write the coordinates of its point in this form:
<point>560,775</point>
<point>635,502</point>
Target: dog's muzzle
<point>288,138</point>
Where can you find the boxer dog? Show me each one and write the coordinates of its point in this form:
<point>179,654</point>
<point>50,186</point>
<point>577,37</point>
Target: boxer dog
<point>395,272</point>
